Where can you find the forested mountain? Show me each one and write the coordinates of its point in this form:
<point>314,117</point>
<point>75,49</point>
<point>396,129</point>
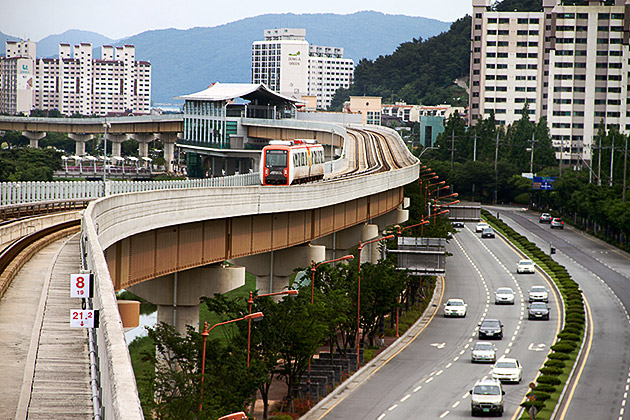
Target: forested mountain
<point>419,71</point>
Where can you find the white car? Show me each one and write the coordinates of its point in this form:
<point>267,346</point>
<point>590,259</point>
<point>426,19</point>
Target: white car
<point>504,295</point>
<point>455,307</point>
<point>538,294</point>
<point>507,369</point>
<point>481,226</point>
<point>483,351</point>
<point>525,266</point>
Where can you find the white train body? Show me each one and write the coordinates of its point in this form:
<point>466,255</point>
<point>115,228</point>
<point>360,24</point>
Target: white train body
<point>287,162</point>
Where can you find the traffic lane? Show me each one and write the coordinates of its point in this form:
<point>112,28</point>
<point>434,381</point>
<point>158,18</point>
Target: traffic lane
<point>437,346</point>
<point>531,345</point>
<point>434,395</point>
<point>603,385</point>
<point>604,382</point>
<point>570,242</point>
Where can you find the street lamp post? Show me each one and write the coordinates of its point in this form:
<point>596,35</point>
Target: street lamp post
<point>250,302</point>
<point>205,334</point>
<point>361,245</point>
<point>438,206</point>
<point>399,233</point>
<point>314,267</point>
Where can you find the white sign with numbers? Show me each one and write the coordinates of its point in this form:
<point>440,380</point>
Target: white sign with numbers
<point>80,285</point>
<point>83,318</point>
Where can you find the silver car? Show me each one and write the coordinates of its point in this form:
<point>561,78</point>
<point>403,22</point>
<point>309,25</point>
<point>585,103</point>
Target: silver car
<point>504,295</point>
<point>538,294</point>
<point>483,351</point>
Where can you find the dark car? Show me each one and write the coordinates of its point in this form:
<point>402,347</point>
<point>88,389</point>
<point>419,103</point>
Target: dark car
<point>487,233</point>
<point>545,218</point>
<point>538,310</point>
<point>557,222</point>
<point>491,328</point>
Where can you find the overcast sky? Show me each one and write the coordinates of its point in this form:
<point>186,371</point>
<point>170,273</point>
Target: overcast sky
<point>36,19</point>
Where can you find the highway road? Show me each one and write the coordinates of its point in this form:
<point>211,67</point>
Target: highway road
<point>603,273</point>
<point>431,376</point>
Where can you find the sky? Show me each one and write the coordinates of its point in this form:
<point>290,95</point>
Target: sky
<point>116,19</point>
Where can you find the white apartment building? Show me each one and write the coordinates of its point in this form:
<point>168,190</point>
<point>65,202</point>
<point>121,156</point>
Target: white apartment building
<point>570,64</point>
<point>75,82</point>
<point>287,64</point>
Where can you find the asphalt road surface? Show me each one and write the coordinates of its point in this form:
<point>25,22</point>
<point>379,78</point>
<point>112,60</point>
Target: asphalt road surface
<point>431,377</point>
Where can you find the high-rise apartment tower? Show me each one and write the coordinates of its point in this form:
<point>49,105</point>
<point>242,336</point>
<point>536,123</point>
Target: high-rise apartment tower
<point>568,63</point>
<point>287,64</point>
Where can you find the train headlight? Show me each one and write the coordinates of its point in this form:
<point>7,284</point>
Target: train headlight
<point>285,171</point>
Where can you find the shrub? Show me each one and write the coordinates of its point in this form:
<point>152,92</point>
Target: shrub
<point>281,417</point>
<point>553,371</point>
<point>564,346</point>
<point>559,356</point>
<point>538,404</point>
<point>569,336</point>
<point>545,388</point>
<point>555,363</point>
<point>551,380</point>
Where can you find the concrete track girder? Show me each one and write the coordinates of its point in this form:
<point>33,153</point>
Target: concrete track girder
<point>274,269</point>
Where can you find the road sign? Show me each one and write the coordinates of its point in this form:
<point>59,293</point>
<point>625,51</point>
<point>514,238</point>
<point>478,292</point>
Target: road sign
<point>543,183</point>
<point>81,285</point>
<point>83,318</point>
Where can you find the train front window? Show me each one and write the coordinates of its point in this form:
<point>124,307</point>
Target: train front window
<point>276,158</point>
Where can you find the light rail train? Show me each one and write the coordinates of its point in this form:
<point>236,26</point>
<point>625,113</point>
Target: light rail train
<point>287,162</point>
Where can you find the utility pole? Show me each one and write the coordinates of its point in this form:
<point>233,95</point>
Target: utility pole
<point>531,159</point>
<point>475,147</point>
<point>496,173</point>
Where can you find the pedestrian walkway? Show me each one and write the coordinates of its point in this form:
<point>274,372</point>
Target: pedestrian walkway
<point>44,362</point>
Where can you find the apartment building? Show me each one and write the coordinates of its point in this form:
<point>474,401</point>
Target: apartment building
<point>568,63</point>
<point>289,65</point>
<point>74,82</point>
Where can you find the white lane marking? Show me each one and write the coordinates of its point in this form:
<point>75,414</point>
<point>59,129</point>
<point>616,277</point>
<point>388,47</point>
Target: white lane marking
<point>462,352</point>
<point>405,398</point>
<point>430,379</point>
<point>456,359</point>
<point>439,372</point>
<point>444,414</point>
<point>393,407</point>
<point>381,417</point>
<point>448,365</point>
<point>418,388</point>
<point>466,395</point>
<point>456,404</point>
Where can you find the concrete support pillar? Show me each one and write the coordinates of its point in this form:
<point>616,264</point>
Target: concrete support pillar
<point>395,217</point>
<point>80,140</point>
<point>230,166</point>
<point>116,141</point>
<point>341,243</point>
<point>34,137</point>
<point>273,269</point>
<point>143,140</point>
<point>217,166</point>
<point>169,140</point>
<point>244,165</point>
<point>177,295</point>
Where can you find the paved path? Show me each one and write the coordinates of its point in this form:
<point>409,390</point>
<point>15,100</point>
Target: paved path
<point>44,363</point>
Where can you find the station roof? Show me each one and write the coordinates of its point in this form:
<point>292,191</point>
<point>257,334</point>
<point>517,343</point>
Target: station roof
<point>229,91</point>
